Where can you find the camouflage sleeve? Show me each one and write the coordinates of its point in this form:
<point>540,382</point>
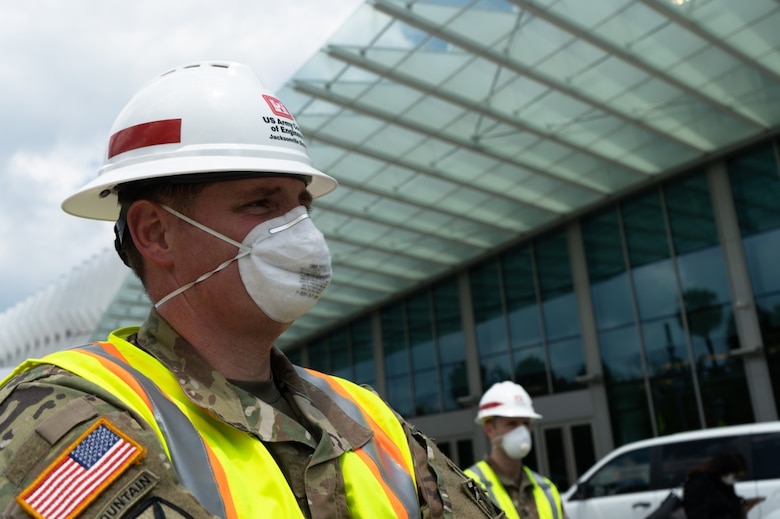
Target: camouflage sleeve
<point>52,424</point>
<point>444,490</point>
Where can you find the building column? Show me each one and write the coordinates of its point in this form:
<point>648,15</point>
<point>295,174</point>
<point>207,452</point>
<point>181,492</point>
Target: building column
<point>602,430</point>
<point>745,317</point>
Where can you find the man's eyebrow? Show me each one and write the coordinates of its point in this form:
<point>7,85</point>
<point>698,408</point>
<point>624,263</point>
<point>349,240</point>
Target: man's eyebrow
<point>264,191</point>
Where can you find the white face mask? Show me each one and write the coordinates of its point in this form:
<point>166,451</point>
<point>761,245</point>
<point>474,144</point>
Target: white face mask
<point>517,442</point>
<point>729,479</point>
<point>284,264</point>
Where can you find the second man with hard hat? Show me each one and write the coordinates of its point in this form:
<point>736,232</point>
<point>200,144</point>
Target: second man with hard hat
<point>506,413</point>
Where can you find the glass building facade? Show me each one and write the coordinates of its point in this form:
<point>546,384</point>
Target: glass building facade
<point>657,335</point>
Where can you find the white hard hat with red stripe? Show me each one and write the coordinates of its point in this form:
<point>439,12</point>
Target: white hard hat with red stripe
<point>212,118</point>
<point>506,399</point>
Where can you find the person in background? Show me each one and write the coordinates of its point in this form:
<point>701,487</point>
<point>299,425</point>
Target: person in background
<point>709,493</point>
<point>506,413</point>
<point>196,413</point>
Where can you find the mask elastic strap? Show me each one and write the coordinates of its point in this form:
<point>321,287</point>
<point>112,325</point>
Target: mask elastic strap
<point>242,251</point>
<point>203,227</point>
<point>205,276</point>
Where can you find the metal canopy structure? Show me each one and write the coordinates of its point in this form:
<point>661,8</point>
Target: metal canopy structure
<point>458,127</point>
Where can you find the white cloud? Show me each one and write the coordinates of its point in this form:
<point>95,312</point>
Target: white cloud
<point>69,67</point>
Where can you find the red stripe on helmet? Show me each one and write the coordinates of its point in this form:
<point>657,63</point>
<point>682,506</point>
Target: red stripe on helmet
<point>167,131</point>
<point>490,405</point>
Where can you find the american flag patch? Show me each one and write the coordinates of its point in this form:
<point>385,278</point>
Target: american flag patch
<point>80,474</point>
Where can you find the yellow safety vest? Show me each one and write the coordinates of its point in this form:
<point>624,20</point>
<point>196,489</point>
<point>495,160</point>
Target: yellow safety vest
<point>548,500</point>
<point>378,477</point>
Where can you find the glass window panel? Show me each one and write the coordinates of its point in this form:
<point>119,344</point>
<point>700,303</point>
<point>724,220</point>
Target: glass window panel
<point>665,346</point>
<point>755,185</point>
<point>426,392</point>
<point>628,412</point>
<point>399,394</point>
<point>761,256</point>
<point>488,310</point>
<point>559,308</point>
<point>454,380</point>
<point>620,355</point>
<point>603,250</point>
<point>341,365</point>
<point>452,353</point>
<point>495,368</point>
<point>561,318</point>
<point>421,331</point>
<point>671,381</point>
<point>524,327</point>
<point>610,290</point>
<point>319,356</point>
<point>399,391</point>
<point>393,338</point>
<point>552,264</point>
<point>426,384</point>
<point>711,330</point>
<point>363,352</point>
<point>523,311</point>
<point>656,290</point>
<point>645,231</point>
<point>703,278</point>
<point>531,370</point>
<point>691,219</point>
<point>567,361</point>
<point>449,328</point>
<point>722,379</point>
<point>612,303</point>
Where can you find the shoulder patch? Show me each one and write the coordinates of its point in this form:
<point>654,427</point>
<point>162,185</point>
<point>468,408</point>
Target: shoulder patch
<point>79,475</point>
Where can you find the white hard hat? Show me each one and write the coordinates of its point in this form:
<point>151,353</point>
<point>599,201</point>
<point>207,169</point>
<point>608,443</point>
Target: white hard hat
<point>213,117</point>
<point>506,399</point>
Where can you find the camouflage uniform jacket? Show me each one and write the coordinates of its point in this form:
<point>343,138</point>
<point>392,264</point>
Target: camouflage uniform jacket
<point>45,410</point>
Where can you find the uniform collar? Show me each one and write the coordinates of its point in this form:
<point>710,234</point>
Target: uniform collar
<point>210,390</point>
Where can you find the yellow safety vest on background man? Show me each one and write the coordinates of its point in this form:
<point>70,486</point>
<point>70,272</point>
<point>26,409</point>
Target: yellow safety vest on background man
<point>244,480</point>
<point>548,500</point>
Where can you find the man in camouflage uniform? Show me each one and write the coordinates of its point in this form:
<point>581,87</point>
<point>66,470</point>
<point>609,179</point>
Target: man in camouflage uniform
<point>213,329</point>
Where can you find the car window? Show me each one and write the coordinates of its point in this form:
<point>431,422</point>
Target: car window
<point>765,456</point>
<point>678,458</point>
<point>629,472</point>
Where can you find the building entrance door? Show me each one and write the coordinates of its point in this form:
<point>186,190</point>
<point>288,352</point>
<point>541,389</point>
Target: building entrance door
<point>565,452</point>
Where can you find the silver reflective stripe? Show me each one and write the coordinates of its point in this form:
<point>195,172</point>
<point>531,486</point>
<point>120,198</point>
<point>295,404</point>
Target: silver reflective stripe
<point>539,481</point>
<point>188,453</point>
<point>391,471</point>
<point>476,469</point>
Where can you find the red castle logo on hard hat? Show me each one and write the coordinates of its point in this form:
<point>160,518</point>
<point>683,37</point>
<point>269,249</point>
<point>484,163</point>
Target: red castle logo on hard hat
<point>277,107</point>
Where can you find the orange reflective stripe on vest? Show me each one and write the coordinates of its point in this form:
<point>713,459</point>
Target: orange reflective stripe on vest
<point>390,465</point>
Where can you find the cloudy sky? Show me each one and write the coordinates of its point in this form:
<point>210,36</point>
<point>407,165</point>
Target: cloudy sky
<point>68,68</point>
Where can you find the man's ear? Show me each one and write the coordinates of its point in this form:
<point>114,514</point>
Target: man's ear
<point>489,427</point>
<point>148,225</point>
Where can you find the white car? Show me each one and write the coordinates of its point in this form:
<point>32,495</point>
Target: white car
<point>631,481</point>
